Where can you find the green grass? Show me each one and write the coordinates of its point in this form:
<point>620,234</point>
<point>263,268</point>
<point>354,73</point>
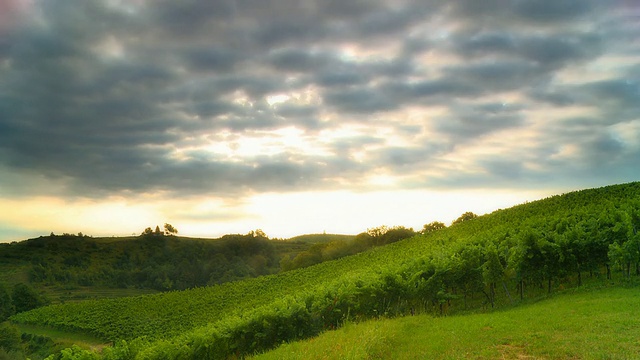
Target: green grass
<point>597,324</point>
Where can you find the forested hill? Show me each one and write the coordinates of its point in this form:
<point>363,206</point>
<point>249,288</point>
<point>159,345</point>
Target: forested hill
<point>483,262</point>
<point>61,265</point>
<point>72,267</point>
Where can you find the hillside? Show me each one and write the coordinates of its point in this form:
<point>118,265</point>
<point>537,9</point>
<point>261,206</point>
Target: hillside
<point>70,267</point>
<point>321,238</point>
<point>77,267</point>
<point>490,261</point>
<point>588,324</point>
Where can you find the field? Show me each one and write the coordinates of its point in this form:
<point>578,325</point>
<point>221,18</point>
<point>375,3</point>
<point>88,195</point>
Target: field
<point>587,324</point>
<point>495,261</point>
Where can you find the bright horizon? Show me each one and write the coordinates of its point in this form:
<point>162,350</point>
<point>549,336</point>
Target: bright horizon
<point>332,212</point>
<point>299,117</point>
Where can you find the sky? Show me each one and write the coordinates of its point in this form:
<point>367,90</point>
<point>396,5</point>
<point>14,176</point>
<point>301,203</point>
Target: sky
<point>307,116</point>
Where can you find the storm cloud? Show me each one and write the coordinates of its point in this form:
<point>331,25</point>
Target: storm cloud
<point>197,97</point>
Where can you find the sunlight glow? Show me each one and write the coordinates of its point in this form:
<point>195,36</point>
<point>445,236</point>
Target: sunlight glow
<point>352,213</point>
<point>47,214</point>
<point>280,215</point>
<point>277,99</point>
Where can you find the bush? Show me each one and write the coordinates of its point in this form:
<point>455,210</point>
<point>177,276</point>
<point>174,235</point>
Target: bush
<point>9,338</point>
<point>6,304</point>
<point>26,298</point>
<point>74,353</point>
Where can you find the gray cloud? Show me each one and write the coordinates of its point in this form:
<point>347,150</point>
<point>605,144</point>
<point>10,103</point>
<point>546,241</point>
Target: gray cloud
<point>470,122</point>
<point>296,59</point>
<point>359,100</point>
<point>551,50</point>
<point>552,10</point>
<point>106,98</point>
<point>535,12</point>
<point>213,59</point>
<point>498,76</point>
<point>401,159</point>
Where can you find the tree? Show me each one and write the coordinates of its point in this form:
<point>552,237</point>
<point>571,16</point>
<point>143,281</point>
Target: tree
<point>395,234</point>
<point>376,234</point>
<point>169,229</point>
<point>9,338</point>
<point>464,217</point>
<point>527,259</point>
<point>285,263</point>
<point>157,231</point>
<point>378,231</point>
<point>26,298</point>
<point>258,233</point>
<point>492,272</point>
<point>6,304</point>
<point>433,226</point>
<point>147,231</point>
<point>363,241</point>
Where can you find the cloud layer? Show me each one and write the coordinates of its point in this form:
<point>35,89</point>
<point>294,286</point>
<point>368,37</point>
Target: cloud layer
<point>237,97</point>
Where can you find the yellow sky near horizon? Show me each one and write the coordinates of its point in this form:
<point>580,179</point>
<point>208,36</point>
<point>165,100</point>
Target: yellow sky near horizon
<point>279,215</point>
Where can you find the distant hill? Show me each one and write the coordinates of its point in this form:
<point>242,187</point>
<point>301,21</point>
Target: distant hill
<point>72,267</point>
<point>69,267</point>
<point>321,238</point>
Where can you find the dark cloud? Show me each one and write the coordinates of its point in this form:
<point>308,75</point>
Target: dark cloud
<point>557,50</point>
<point>470,122</point>
<point>296,59</point>
<point>485,43</point>
<point>552,10</point>
<point>437,89</point>
<point>358,100</point>
<point>623,92</point>
<point>338,77</point>
<point>348,10</point>
<point>213,59</point>
<point>278,33</point>
<point>288,110</point>
<point>108,97</point>
<point>551,50</point>
<point>405,158</point>
<point>551,96</point>
<point>509,169</point>
<point>471,8</point>
<point>347,147</point>
<point>492,76</point>
<point>189,18</point>
<point>538,12</point>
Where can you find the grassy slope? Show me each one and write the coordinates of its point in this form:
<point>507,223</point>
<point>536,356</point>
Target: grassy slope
<point>597,324</point>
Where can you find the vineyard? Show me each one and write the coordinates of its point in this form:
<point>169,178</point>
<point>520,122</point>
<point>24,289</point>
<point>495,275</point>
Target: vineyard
<point>484,262</point>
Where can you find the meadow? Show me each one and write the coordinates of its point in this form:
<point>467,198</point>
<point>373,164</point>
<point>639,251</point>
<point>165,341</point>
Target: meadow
<point>594,323</point>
